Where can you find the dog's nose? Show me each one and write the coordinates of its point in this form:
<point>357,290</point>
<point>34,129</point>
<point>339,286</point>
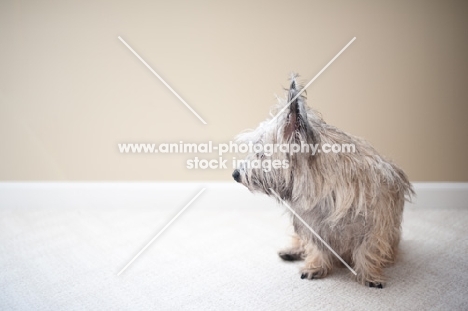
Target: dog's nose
<point>236,175</point>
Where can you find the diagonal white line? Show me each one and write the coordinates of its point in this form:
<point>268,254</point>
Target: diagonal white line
<point>313,79</point>
<point>162,80</point>
<point>161,231</point>
<point>315,233</point>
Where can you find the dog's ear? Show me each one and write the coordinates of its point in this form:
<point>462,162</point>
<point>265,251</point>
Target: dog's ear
<point>297,124</point>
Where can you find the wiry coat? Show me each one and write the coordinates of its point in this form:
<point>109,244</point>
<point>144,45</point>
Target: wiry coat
<point>354,201</point>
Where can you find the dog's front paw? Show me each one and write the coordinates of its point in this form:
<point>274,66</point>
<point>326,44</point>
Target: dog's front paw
<point>311,274</point>
<point>374,284</point>
<point>292,254</point>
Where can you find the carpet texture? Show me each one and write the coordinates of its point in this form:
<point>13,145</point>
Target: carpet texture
<point>62,245</point>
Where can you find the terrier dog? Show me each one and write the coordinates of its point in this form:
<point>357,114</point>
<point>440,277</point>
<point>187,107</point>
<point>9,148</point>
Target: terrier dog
<point>354,201</point>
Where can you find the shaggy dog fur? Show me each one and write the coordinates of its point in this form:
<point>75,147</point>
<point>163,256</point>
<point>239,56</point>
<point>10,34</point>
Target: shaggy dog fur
<point>354,201</point>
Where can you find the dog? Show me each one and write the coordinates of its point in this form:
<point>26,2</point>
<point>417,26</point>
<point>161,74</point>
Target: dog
<point>353,200</point>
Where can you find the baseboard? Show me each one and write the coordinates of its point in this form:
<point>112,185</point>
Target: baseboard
<point>428,194</point>
<point>440,195</point>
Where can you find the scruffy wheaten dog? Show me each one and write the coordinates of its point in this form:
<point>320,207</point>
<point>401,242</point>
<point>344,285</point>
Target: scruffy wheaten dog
<point>353,200</point>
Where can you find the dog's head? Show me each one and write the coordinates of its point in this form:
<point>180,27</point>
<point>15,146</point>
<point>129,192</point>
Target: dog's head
<point>279,165</point>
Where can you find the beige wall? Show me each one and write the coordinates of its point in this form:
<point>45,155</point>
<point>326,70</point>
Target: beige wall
<point>70,90</point>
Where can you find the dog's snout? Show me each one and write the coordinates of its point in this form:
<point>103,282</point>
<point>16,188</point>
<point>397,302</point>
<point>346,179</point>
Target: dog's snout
<point>236,175</point>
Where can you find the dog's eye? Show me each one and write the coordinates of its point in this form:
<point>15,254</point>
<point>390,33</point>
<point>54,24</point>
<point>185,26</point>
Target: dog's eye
<point>260,155</point>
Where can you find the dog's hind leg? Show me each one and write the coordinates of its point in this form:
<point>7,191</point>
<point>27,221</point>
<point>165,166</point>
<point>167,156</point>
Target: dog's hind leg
<point>369,264</point>
<point>379,247</point>
<point>295,252</point>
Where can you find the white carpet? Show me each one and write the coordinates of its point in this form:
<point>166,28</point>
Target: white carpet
<point>62,245</point>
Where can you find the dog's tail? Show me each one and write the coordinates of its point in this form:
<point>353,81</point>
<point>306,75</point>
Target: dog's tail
<point>405,185</point>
